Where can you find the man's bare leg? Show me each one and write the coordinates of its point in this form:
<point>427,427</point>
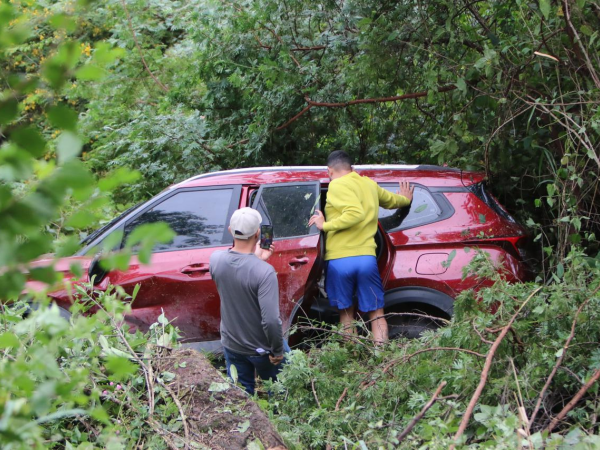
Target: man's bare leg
<point>347,320</point>
<point>379,326</point>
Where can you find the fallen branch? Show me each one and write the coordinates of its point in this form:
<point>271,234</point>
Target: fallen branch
<point>312,383</point>
<point>407,358</point>
<point>561,415</point>
<point>186,429</point>
<point>339,402</point>
<point>558,363</point>
<point>419,416</point>
<point>312,103</point>
<point>486,370</point>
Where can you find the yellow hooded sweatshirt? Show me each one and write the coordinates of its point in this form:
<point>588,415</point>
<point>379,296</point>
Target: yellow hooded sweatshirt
<point>351,212</point>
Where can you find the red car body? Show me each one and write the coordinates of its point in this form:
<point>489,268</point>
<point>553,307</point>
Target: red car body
<point>421,250</point>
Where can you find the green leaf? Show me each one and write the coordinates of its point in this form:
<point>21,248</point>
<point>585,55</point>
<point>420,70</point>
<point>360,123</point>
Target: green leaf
<point>421,209</point>
<point>218,387</point>
<point>243,427</point>
<point>63,21</point>
<point>451,256</point>
<point>147,236</point>
<point>30,140</point>
<point>255,445</point>
<point>482,218</point>
<point>8,110</point>
<point>587,30</point>
<point>461,85</point>
<point>234,373</point>
<point>100,414</point>
<point>162,319</point>
<point>63,117</point>
<point>90,72</point>
<point>106,54</point>
<point>560,270</point>
<point>545,8</point>
<point>8,340</point>
<point>81,219</point>
<point>122,175</point>
<point>68,147</point>
<point>120,367</point>
<point>44,274</point>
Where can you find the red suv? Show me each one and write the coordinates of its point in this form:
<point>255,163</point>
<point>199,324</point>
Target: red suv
<point>421,249</point>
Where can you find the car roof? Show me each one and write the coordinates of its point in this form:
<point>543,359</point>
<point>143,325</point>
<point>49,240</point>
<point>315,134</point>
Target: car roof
<point>427,175</point>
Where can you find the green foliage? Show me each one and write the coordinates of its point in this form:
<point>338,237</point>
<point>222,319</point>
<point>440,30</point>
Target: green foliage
<point>47,195</point>
<point>342,393</point>
<point>60,389</point>
<point>210,85</point>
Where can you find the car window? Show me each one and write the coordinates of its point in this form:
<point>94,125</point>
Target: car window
<point>198,218</point>
<point>288,208</point>
<point>424,209</point>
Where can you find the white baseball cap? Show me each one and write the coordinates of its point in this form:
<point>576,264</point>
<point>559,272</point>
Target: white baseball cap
<point>244,223</point>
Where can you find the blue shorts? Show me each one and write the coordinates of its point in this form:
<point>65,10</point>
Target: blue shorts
<point>354,275</point>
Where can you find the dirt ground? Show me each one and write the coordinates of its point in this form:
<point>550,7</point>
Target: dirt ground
<point>218,416</point>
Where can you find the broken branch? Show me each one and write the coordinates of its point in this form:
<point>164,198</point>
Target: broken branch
<point>419,416</point>
<point>486,370</point>
<point>312,103</point>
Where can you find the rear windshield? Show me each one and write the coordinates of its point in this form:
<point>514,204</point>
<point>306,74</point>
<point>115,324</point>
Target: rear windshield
<point>481,192</point>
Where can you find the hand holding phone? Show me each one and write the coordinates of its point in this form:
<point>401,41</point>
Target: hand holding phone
<point>266,236</point>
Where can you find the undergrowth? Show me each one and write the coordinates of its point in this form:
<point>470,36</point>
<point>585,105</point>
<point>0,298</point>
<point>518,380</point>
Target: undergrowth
<point>84,382</point>
<point>348,393</point>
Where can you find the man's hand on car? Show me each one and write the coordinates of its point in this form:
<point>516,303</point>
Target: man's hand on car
<point>318,220</point>
<point>264,253</point>
<point>275,360</point>
<point>406,190</point>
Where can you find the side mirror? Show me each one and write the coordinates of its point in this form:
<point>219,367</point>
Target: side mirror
<point>96,271</point>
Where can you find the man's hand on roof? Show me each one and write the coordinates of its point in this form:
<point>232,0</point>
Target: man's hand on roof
<point>406,190</point>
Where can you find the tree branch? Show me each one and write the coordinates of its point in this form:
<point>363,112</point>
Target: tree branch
<point>158,82</point>
<point>557,365</point>
<point>486,370</point>
<point>312,103</point>
<point>573,402</point>
<point>419,416</point>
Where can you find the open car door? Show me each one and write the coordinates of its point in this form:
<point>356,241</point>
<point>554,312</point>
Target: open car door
<point>297,260</point>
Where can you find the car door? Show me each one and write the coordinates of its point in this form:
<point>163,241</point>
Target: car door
<point>177,281</point>
<point>288,207</point>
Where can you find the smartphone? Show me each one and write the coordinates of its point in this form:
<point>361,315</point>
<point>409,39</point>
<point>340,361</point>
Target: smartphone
<point>266,236</point>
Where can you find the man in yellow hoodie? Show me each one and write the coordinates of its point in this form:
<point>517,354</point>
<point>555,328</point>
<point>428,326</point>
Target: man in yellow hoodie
<point>352,210</point>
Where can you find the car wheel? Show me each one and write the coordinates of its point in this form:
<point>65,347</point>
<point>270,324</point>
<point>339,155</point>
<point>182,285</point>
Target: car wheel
<point>411,323</point>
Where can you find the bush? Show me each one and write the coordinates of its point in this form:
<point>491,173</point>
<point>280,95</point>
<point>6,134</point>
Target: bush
<point>353,393</point>
<point>81,382</point>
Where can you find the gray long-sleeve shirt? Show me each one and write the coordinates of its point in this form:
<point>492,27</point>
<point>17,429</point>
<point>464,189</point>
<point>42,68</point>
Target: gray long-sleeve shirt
<point>249,295</point>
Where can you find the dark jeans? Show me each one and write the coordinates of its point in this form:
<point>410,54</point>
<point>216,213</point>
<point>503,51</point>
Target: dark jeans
<point>247,366</point>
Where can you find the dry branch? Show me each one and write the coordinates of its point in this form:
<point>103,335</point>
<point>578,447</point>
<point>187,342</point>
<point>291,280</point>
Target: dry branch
<point>312,103</point>
<point>557,365</point>
<point>561,415</point>
<point>419,416</point>
<point>486,370</point>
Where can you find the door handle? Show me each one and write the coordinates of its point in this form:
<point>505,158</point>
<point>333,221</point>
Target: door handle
<point>195,268</point>
<point>298,261</point>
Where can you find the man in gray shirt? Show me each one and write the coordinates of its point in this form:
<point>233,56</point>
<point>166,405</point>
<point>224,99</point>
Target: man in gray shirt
<point>251,331</point>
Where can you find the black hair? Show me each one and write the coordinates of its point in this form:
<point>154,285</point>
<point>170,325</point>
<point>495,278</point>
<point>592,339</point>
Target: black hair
<point>339,159</point>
